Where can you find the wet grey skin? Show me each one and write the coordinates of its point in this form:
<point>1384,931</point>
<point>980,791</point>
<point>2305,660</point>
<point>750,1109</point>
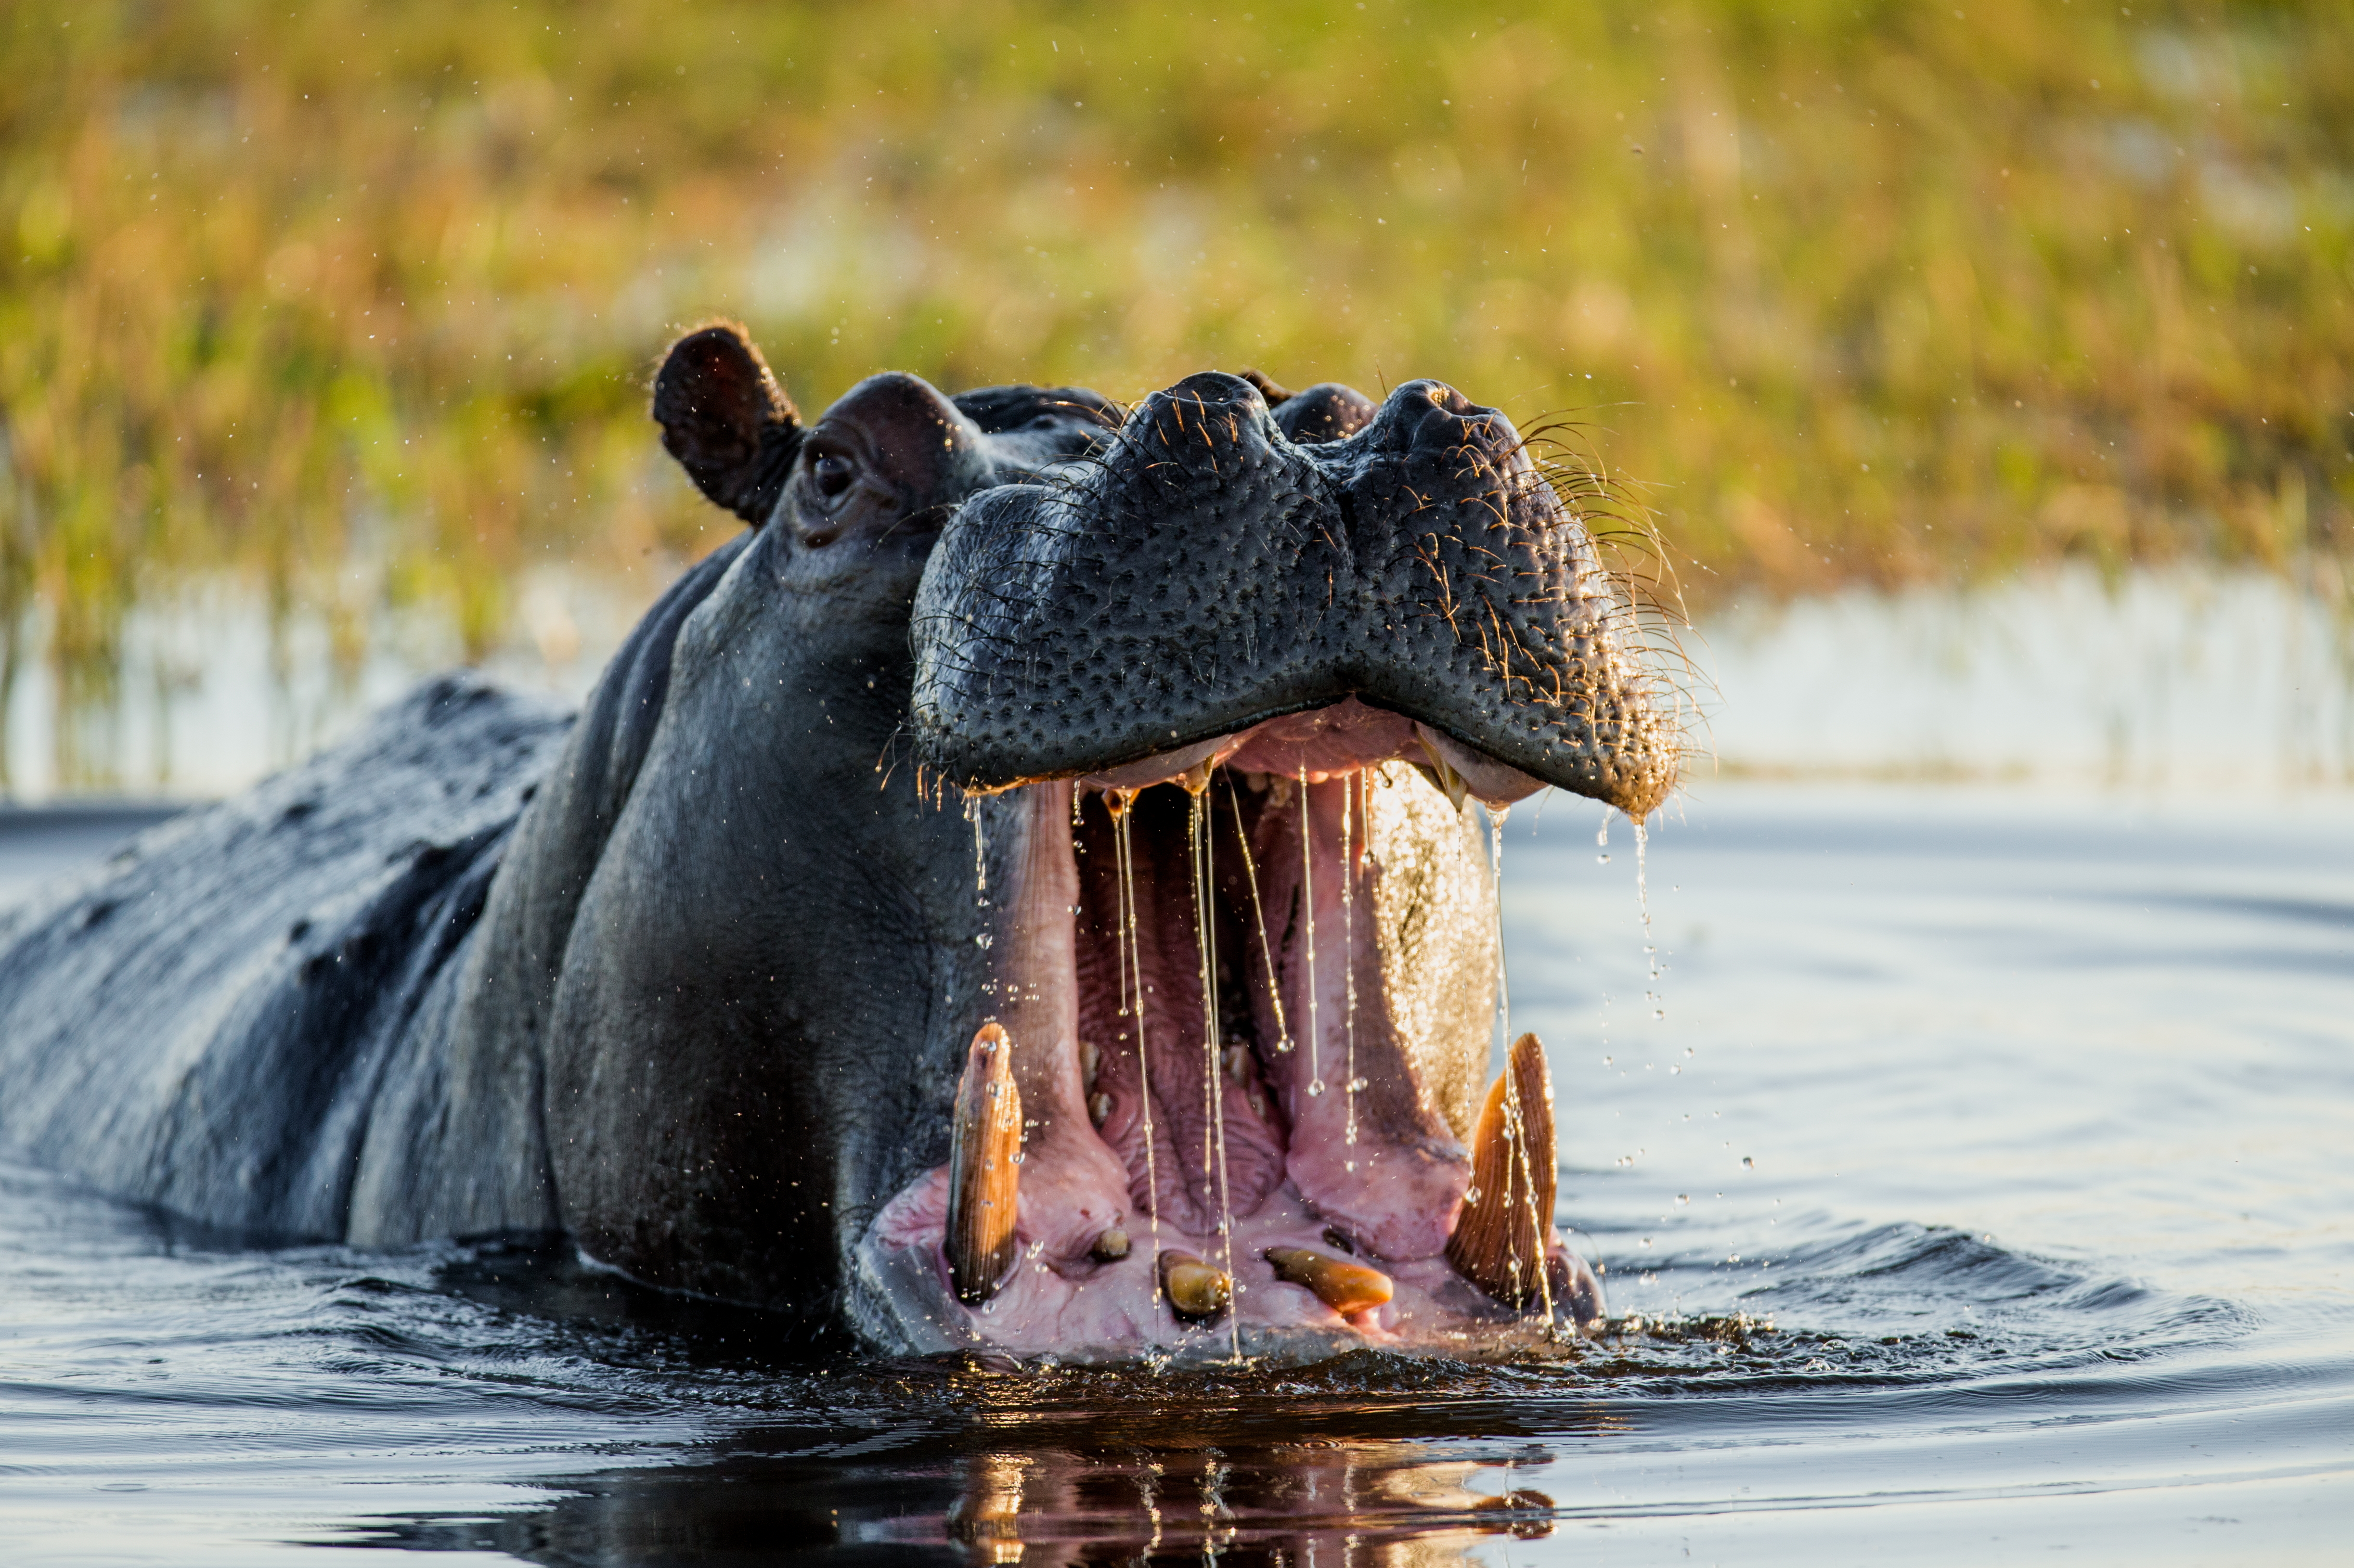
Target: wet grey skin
<point>691,976</point>
<point>1210,572</point>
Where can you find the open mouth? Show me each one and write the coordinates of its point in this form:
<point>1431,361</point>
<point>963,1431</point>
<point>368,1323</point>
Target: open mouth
<point>1220,695</point>
<point>1245,995</point>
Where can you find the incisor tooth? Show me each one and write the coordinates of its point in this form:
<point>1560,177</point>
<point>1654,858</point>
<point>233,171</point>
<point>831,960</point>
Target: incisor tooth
<point>1500,1236</point>
<point>1442,773</point>
<point>1098,1108</point>
<point>1343,1285</point>
<point>1195,1290</point>
<point>983,1177</point>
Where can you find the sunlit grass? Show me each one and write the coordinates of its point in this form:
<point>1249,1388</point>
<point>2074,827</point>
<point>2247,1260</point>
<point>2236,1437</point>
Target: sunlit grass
<point>358,302</point>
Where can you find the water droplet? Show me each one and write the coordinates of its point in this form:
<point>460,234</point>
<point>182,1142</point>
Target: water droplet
<point>1683,1197</point>
<point>1747,1163</point>
<point>1315,1086</point>
<point>982,941</point>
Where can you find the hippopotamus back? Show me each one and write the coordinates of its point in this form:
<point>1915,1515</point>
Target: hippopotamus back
<point>208,1019</point>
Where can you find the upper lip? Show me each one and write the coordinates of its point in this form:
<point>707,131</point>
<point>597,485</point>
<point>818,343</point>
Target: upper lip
<point>1207,575</point>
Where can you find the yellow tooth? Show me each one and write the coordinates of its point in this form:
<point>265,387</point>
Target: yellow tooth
<point>1090,1060</point>
<point>1098,1108</point>
<point>1345,1287</point>
<point>1195,1290</point>
<point>984,1178</point>
<point>1110,1246</point>
<point>1506,1220</point>
<point>1442,772</point>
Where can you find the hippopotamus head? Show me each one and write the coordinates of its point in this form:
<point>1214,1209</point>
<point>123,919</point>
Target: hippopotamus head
<point>1047,915</point>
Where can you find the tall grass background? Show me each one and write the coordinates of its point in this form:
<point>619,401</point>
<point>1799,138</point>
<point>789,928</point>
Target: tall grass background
<point>353,305</point>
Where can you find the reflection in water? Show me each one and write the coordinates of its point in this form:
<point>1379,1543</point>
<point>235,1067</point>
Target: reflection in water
<point>1365,1460</point>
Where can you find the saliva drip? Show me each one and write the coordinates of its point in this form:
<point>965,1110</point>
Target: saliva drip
<point>1308,901</point>
<point>1602,839</point>
<point>1515,1121</point>
<point>979,852</point>
<point>1643,904</point>
<point>1213,1098</point>
<point>1496,815</point>
<point>1130,963</point>
<point>1349,955</point>
<point>1258,912</point>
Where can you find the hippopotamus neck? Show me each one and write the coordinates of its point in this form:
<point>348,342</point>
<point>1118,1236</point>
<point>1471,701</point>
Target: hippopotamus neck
<point>742,955</point>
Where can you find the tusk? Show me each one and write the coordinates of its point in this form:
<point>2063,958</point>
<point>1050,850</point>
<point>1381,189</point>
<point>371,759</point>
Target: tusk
<point>1442,773</point>
<point>984,1168</point>
<point>1346,1288</point>
<point>1195,1290</point>
<point>1500,1236</point>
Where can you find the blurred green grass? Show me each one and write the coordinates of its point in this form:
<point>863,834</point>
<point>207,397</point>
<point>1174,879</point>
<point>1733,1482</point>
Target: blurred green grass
<point>355,303</point>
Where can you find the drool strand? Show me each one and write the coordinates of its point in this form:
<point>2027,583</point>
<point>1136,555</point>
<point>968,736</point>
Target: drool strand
<point>1643,907</point>
<point>1308,902</point>
<point>1496,815</point>
<point>1258,911</point>
<point>1131,1007</point>
<point>1214,1099</point>
<point>1349,1081</point>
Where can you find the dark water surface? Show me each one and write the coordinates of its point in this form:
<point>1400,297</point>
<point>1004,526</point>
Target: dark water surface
<point>1983,1189</point>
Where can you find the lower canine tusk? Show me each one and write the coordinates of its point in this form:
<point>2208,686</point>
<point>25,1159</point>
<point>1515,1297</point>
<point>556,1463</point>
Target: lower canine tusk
<point>1345,1287</point>
<point>1500,1236</point>
<point>1195,1290</point>
<point>984,1169</point>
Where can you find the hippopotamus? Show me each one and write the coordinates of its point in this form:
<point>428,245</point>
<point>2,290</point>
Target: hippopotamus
<point>1021,894</point>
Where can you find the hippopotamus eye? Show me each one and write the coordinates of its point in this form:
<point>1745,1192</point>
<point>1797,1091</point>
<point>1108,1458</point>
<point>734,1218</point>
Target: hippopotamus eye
<point>832,473</point>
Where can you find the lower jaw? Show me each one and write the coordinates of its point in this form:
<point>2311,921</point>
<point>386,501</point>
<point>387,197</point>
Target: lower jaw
<point>1063,1293</point>
<point>1117,1309</point>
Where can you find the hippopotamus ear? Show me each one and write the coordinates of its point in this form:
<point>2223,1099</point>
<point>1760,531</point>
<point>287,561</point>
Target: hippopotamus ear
<point>726,419</point>
<point>1327,411</point>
